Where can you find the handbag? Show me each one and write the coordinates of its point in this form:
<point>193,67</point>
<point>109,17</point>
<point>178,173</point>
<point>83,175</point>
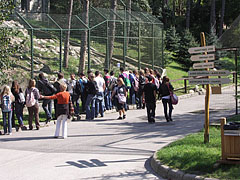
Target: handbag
<point>174,98</point>
<point>121,98</point>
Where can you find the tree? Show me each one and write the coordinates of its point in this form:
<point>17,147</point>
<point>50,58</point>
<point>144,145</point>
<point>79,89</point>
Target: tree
<point>6,48</point>
<point>112,27</point>
<point>213,15</point>
<point>84,37</point>
<point>66,44</point>
<point>188,14</point>
<point>222,18</point>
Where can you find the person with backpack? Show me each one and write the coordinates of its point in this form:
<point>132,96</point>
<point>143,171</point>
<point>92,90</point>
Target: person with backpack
<point>31,96</point>
<point>91,90</point>
<point>134,86</point>
<point>125,76</point>
<point>6,104</point>
<point>64,109</point>
<point>142,80</point>
<point>107,92</point>
<point>83,81</point>
<point>19,102</point>
<point>165,89</point>
<point>74,88</point>
<point>120,92</point>
<point>149,97</point>
<point>46,89</point>
<point>112,85</point>
<point>100,105</point>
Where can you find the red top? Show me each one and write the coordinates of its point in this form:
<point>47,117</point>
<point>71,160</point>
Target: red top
<point>62,97</point>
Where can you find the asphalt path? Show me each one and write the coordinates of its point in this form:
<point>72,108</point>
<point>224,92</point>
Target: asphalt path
<point>105,148</point>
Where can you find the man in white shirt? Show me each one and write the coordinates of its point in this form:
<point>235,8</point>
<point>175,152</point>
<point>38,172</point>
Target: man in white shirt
<point>100,94</point>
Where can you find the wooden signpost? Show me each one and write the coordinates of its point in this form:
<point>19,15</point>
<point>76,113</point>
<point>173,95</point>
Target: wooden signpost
<point>210,81</point>
<point>203,57</point>
<point>208,73</point>
<point>203,65</point>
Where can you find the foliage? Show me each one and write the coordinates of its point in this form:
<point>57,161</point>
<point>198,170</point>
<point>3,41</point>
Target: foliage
<point>6,48</point>
<point>181,54</point>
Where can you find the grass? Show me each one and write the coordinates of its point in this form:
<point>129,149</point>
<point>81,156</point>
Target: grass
<point>191,155</point>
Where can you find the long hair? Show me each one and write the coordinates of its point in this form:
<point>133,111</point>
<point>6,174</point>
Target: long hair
<point>6,91</point>
<point>121,81</point>
<point>15,86</point>
<point>31,83</point>
<point>165,79</point>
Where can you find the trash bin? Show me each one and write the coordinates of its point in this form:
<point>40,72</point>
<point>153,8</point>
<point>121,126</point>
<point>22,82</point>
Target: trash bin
<point>230,137</point>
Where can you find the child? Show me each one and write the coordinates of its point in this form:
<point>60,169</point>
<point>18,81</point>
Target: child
<point>6,104</point>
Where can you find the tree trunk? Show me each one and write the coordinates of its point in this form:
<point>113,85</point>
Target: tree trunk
<point>66,44</point>
<point>188,14</point>
<point>222,18</point>
<point>84,37</point>
<point>213,16</point>
<point>129,6</point>
<point>173,12</point>
<point>112,27</point>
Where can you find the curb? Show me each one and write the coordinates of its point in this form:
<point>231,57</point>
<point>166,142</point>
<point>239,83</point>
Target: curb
<point>172,174</point>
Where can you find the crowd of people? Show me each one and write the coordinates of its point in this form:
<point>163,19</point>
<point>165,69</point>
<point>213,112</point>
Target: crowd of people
<point>97,92</point>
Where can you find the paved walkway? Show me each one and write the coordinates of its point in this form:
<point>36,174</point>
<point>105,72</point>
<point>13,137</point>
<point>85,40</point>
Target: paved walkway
<point>105,148</point>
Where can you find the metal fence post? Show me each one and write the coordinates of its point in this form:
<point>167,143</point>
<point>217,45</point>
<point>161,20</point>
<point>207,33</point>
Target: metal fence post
<point>153,52</point>
<point>139,47</point>
<point>31,53</point>
<point>107,47</point>
<point>60,52</point>
<point>124,38</point>
<point>89,61</point>
<point>236,80</point>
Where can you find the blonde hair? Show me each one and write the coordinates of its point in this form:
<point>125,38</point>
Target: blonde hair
<point>63,87</point>
<point>31,83</point>
<point>121,81</point>
<point>6,91</point>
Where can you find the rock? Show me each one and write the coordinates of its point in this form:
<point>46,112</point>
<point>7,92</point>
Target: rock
<point>46,69</point>
<point>191,91</point>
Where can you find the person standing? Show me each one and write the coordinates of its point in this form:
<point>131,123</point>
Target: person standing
<point>83,81</point>
<point>107,91</point>
<point>120,92</point>
<point>32,95</point>
<point>100,94</point>
<point>149,96</point>
<point>165,89</point>
<point>91,90</point>
<point>19,102</point>
<point>6,104</point>
<point>46,89</point>
<point>74,89</point>
<point>142,80</point>
<point>63,110</point>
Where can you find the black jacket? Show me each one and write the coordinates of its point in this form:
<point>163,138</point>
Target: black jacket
<point>164,90</point>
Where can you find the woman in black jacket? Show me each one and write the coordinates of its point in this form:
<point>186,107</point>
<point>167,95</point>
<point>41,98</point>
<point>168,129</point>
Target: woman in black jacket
<point>165,89</point>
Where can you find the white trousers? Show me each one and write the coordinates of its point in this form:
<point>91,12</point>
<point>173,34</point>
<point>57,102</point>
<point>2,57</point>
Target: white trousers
<point>61,119</point>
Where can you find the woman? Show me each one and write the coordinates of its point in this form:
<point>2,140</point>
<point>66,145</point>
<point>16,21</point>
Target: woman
<point>19,102</point>
<point>6,104</point>
<point>32,95</point>
<point>165,89</point>
<point>120,91</point>
<point>62,107</point>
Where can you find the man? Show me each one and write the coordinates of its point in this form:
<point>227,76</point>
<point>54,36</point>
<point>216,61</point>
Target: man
<point>46,89</point>
<point>125,76</point>
<point>83,81</point>
<point>100,94</point>
<point>74,90</point>
<point>107,92</point>
<point>149,97</point>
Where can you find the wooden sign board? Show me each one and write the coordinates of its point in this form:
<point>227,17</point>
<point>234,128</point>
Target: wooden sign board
<point>203,65</point>
<point>208,73</point>
<point>210,81</point>
<point>207,57</point>
<point>204,49</point>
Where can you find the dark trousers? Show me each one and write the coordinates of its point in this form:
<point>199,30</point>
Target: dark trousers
<point>167,102</point>
<point>83,99</point>
<point>33,110</point>
<point>47,107</point>
<point>151,107</point>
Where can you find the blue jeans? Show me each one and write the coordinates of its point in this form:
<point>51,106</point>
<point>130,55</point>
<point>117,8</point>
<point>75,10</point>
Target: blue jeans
<point>107,99</point>
<point>19,113</point>
<point>9,128</point>
<point>132,96</point>
<point>47,107</point>
<point>167,102</point>
<point>90,106</point>
<point>99,104</point>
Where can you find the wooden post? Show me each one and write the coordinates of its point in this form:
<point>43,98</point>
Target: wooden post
<point>207,98</point>
<point>223,122</point>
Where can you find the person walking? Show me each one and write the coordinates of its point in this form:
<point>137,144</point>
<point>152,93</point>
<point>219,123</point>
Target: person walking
<point>19,102</point>
<point>83,81</point>
<point>142,80</point>
<point>107,91</point>
<point>74,89</point>
<point>46,89</point>
<point>165,89</point>
<point>32,95</point>
<point>120,92</point>
<point>64,109</point>
<point>91,90</point>
<point>149,97</point>
<point>6,104</point>
<point>100,94</point>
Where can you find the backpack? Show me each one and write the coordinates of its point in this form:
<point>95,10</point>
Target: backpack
<point>6,103</point>
<point>95,90</point>
<point>136,84</point>
<point>113,83</point>
<point>30,100</point>
<point>77,88</point>
<point>21,98</point>
<point>52,89</point>
<point>107,80</point>
<point>127,82</point>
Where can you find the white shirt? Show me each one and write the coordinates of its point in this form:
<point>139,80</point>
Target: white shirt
<point>71,85</point>
<point>100,83</point>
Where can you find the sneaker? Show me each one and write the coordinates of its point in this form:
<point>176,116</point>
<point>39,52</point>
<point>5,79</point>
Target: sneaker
<point>119,117</point>
<point>9,133</point>
<point>124,116</point>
